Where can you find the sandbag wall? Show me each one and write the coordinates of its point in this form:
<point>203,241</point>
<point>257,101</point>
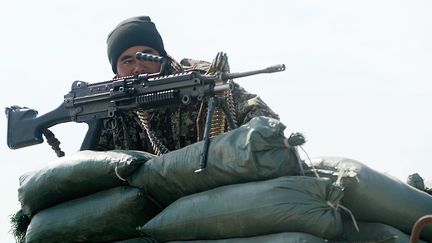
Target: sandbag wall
<point>252,190</point>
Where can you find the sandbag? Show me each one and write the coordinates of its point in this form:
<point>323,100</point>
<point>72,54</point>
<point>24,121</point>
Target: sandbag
<point>290,237</point>
<point>285,204</point>
<point>254,151</point>
<point>138,240</point>
<point>373,232</point>
<point>376,197</point>
<point>105,216</point>
<point>77,175</point>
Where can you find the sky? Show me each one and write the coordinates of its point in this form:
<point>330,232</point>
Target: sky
<point>357,83</point>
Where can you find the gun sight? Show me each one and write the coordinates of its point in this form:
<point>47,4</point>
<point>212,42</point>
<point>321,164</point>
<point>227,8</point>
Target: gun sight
<point>148,57</point>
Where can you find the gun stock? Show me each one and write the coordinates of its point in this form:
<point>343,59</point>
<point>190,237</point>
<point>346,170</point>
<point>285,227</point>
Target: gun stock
<point>25,127</point>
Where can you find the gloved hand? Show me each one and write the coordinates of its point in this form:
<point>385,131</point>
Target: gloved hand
<point>219,64</point>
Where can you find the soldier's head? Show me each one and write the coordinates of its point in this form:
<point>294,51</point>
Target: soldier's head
<point>136,34</point>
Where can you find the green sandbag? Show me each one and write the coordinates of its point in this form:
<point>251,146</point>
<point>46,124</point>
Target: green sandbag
<point>108,215</point>
<point>138,240</point>
<point>75,176</point>
<point>285,204</point>
<point>254,151</point>
<point>376,197</point>
<point>291,237</point>
<point>373,232</point>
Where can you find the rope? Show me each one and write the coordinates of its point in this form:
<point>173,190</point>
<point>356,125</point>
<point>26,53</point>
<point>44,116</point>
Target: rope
<point>297,140</point>
<point>118,174</point>
<point>336,206</point>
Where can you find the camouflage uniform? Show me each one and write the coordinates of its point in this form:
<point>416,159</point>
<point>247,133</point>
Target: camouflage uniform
<point>174,127</point>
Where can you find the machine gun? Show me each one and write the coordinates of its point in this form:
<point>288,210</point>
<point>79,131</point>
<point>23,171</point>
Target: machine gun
<point>92,102</point>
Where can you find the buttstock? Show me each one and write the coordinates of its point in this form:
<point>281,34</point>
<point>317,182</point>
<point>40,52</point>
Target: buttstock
<point>24,127</point>
<point>20,129</point>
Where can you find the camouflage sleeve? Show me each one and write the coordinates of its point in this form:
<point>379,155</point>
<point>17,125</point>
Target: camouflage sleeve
<point>250,106</point>
<point>189,64</point>
<point>105,141</point>
<point>124,133</point>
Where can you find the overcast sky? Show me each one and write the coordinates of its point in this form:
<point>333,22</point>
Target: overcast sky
<point>358,78</point>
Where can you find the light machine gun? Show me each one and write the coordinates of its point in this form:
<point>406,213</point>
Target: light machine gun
<point>92,102</point>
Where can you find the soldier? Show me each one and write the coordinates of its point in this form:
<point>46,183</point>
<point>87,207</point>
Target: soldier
<point>162,130</point>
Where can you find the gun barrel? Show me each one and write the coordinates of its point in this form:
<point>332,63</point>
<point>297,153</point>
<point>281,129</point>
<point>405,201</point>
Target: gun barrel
<point>271,69</point>
<point>276,68</point>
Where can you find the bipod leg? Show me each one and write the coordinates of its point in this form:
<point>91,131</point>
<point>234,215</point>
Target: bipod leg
<point>212,103</point>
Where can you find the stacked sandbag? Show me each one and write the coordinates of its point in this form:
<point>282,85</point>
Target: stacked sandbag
<point>76,175</point>
<point>291,237</point>
<point>255,151</point>
<point>250,188</point>
<point>376,197</point>
<point>368,232</point>
<point>205,214</point>
<point>104,216</point>
<point>284,204</point>
<point>85,198</point>
<point>138,240</point>
<point>373,232</point>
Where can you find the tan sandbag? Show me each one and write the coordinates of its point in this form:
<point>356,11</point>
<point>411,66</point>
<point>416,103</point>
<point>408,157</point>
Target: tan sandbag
<point>254,151</point>
<point>76,175</point>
